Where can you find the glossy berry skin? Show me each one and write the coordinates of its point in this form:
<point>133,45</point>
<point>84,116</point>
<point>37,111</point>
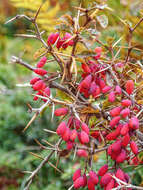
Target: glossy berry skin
<point>82,153</point>
<point>134,147</point>
<point>84,137</point>
<point>94,177</point>
<point>61,128</point>
<point>76,174</point>
<point>40,71</point>
<point>79,182</point>
<point>61,111</point>
<point>129,86</point>
<point>103,170</point>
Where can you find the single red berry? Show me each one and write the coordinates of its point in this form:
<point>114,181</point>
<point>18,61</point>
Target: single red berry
<point>125,112</point>
<point>76,174</point>
<point>66,135</point>
<point>115,111</point>
<point>124,129</point>
<point>105,179</point>
<point>118,90</point>
<point>40,71</point>
<point>47,91</point>
<point>116,146</point>
<point>98,49</point>
<point>125,140</point>
<point>120,174</point>
<point>134,123</point>
<point>111,96</point>
<point>52,38</point>
<point>94,177</point>
<point>42,62</point>
<point>86,68</point>
<point>84,137</point>
<point>34,80</point>
<point>79,182</point>
<point>85,128</point>
<point>82,153</point>
<point>114,121</point>
<point>126,102</point>
<point>129,86</point>
<point>103,170</point>
<point>73,135</point>
<point>106,89</point>
<point>121,157</point>
<point>110,185</point>
<point>61,128</point>
<point>69,145</point>
<point>90,184</point>
<point>134,147</point>
<point>85,180</point>
<point>39,85</point>
<point>61,111</point>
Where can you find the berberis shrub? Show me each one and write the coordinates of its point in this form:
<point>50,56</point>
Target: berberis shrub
<point>100,109</point>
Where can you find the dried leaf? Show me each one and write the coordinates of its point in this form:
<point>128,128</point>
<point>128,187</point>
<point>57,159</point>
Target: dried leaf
<point>103,20</point>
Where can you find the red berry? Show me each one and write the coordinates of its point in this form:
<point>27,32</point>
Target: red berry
<point>66,135</point>
<point>118,90</point>
<point>110,185</point>
<point>84,137</point>
<point>85,68</point>
<point>82,153</point>
<point>114,121</point>
<point>85,180</point>
<point>85,128</point>
<point>40,71</point>
<point>126,102</point>
<point>52,38</point>
<point>106,89</point>
<point>134,147</point>
<point>116,146</point>
<point>103,170</point>
<point>111,96</point>
<point>34,80</point>
<point>61,128</point>
<point>125,112</point>
<point>61,111</point>
<point>121,157</point>
<point>129,86</point>
<point>124,129</point>
<point>70,145</point>
<point>90,184</point>
<point>120,174</point>
<point>76,174</point>
<point>94,177</point>
<point>47,91</point>
<point>98,49</point>
<point>125,140</point>
<point>115,111</point>
<point>79,182</point>
<point>134,123</point>
<point>42,62</point>
<point>73,135</point>
<point>105,179</point>
<point>39,85</point>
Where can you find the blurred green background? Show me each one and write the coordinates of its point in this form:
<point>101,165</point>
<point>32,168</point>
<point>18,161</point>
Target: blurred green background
<point>16,145</point>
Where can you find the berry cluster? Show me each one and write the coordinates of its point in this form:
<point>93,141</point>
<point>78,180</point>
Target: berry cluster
<point>37,83</point>
<point>122,122</point>
<point>64,42</point>
<point>103,176</point>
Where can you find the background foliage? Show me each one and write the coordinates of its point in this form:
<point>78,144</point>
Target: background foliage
<point>16,145</point>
